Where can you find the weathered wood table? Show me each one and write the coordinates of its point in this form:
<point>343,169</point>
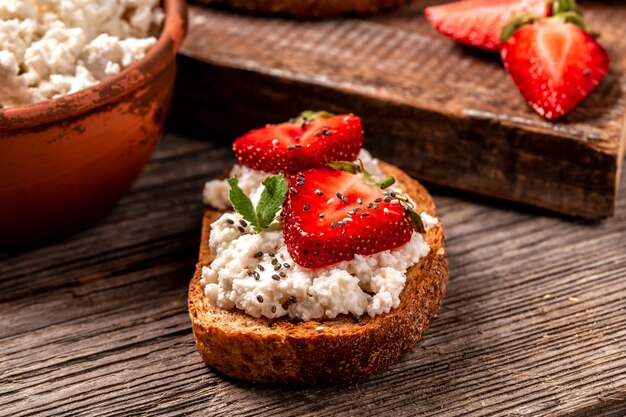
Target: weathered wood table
<point>533,325</point>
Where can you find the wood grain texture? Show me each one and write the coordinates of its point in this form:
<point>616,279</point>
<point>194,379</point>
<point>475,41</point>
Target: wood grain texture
<point>533,323</point>
<point>447,114</point>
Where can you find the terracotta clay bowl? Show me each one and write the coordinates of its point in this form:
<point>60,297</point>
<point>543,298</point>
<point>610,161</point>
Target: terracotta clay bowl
<point>64,163</point>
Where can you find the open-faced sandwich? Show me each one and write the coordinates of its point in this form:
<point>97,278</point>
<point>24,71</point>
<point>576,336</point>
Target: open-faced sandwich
<point>310,8</point>
<point>317,263</point>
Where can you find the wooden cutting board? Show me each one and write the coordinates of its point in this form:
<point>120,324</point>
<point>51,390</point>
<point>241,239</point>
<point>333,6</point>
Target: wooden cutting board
<point>447,114</point>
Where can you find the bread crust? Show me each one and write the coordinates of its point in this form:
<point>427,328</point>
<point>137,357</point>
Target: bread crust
<point>287,352</point>
<point>310,9</point>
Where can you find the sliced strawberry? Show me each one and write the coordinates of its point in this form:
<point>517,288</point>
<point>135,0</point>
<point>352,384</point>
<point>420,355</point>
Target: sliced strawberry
<point>307,142</point>
<point>479,23</point>
<point>329,216</point>
<point>554,64</point>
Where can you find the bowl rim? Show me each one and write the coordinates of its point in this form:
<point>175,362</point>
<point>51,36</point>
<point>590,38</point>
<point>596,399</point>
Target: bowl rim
<point>111,89</point>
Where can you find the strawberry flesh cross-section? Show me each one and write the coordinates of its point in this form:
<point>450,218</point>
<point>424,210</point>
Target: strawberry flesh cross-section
<point>555,65</point>
<point>479,23</point>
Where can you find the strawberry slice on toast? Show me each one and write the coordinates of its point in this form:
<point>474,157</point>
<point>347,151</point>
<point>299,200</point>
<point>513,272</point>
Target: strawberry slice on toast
<point>308,141</point>
<point>331,215</point>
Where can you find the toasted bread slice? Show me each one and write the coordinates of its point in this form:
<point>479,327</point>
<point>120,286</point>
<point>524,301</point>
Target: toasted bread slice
<point>284,351</point>
<point>308,9</point>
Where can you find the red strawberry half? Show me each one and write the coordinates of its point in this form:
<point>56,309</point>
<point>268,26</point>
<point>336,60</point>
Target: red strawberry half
<point>479,23</point>
<point>329,216</point>
<point>306,142</point>
<point>555,65</point>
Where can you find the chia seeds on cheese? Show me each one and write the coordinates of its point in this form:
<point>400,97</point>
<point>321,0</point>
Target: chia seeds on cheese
<point>365,285</point>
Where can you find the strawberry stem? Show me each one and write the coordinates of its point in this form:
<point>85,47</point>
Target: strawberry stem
<point>564,6</point>
<point>386,182</point>
<point>564,10</point>
<point>308,115</point>
<point>519,21</point>
<point>409,210</point>
<point>416,221</point>
<point>345,166</point>
<point>575,18</point>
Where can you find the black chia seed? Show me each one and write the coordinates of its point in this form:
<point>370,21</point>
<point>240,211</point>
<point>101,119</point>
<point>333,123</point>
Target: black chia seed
<point>342,197</point>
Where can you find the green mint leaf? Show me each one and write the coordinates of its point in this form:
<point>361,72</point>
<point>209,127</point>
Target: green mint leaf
<point>271,200</point>
<point>241,202</point>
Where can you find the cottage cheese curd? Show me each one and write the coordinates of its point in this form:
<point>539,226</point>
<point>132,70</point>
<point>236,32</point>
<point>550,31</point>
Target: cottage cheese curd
<point>56,47</point>
<point>255,273</point>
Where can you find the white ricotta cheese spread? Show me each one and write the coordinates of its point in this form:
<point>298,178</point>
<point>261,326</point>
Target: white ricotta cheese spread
<point>57,47</point>
<point>255,273</point>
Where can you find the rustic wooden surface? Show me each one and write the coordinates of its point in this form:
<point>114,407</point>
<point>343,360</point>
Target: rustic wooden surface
<point>533,324</point>
<point>451,115</point>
